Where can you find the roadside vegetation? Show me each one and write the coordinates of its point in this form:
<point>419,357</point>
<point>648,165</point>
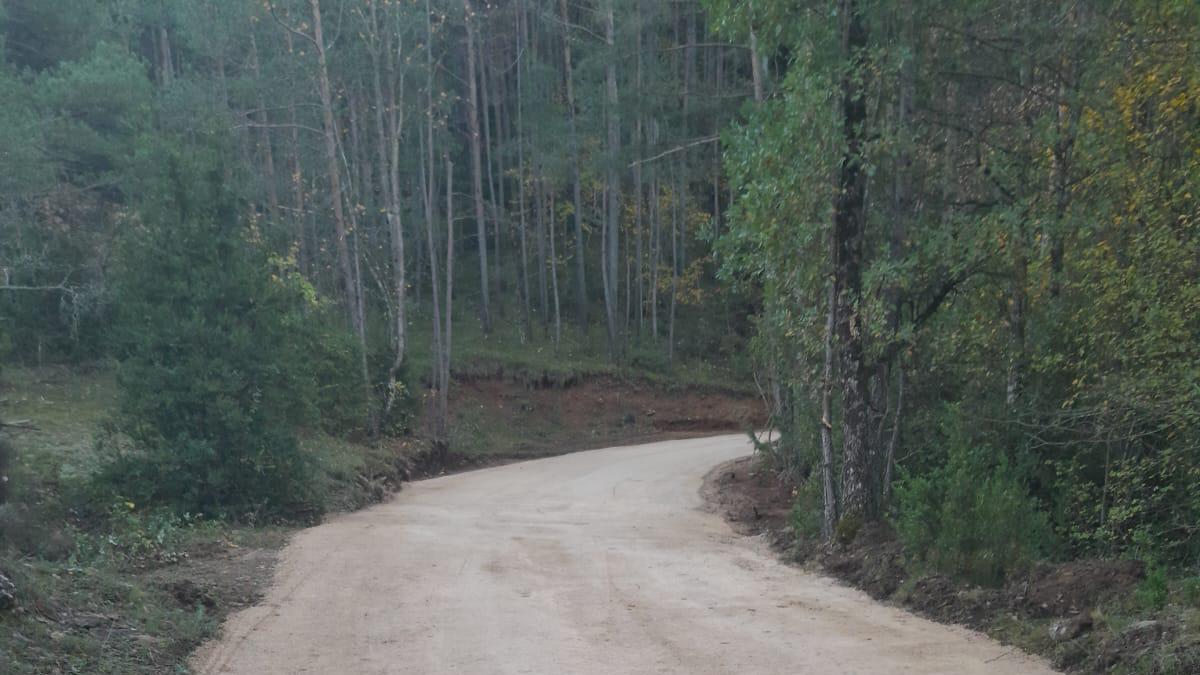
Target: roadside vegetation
<point>260,261</point>
<point>974,228</point>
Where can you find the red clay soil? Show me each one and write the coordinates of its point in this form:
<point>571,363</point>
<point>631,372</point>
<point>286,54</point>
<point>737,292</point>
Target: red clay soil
<point>593,411</point>
<point>537,416</point>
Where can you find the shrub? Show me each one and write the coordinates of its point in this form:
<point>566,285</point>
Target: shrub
<point>973,517</point>
<point>1189,591</point>
<point>1152,592</point>
<point>808,511</point>
<point>1146,505</point>
<point>217,342</point>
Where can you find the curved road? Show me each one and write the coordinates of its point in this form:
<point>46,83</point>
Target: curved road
<point>599,562</point>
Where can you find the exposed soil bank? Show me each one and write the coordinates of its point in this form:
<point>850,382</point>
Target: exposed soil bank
<point>499,417</point>
<point>1073,612</point>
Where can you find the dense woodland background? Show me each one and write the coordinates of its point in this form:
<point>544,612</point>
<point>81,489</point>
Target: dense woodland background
<point>953,242</point>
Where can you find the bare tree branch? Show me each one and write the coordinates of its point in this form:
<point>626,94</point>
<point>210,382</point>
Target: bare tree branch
<point>679,148</point>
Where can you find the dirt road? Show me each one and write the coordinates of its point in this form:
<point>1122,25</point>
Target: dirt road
<point>598,562</point>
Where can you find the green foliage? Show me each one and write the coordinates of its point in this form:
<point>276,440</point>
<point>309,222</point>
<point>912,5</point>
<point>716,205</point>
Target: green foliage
<point>972,517</point>
<point>68,133</point>
<point>132,536</point>
<point>97,107</point>
<point>1145,505</point>
<point>807,511</point>
<point>217,348</point>
<point>847,529</point>
<point>1152,593</point>
<point>1028,260</point>
<point>1189,591</point>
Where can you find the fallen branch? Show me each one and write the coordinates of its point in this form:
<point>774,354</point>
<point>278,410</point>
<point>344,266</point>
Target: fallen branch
<point>680,148</point>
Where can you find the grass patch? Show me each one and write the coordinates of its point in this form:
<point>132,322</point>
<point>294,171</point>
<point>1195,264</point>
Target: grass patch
<point>353,475</point>
<point>128,590</point>
<point>64,408</point>
<point>115,607</point>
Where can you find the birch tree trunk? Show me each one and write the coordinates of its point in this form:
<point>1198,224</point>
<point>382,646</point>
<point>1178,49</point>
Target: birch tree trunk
<point>521,197</point>
<point>387,151</point>
<point>581,307</point>
<point>349,284</point>
<point>610,248</point>
<point>488,162</point>
<point>554,277</point>
<point>449,330</point>
<point>829,497</point>
<point>477,170</point>
<point>539,220</point>
<point>439,383</point>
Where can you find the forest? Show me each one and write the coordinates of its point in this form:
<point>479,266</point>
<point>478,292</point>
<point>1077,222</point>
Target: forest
<point>952,245</point>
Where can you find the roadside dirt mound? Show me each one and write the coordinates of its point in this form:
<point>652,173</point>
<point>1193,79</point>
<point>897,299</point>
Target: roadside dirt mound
<point>873,561</point>
<point>750,498</point>
<point>221,578</point>
<point>1068,588</point>
<point>611,402</point>
<point>501,417</point>
<point>498,417</point>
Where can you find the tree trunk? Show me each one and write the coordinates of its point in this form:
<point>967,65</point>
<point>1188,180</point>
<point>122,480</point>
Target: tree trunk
<point>639,227</point>
<point>477,170</point>
<point>638,224</point>
<point>521,201</point>
<point>889,462</point>
<point>306,248</point>
<point>756,66</point>
<point>488,161</point>
<point>656,249</point>
<point>387,150</point>
<point>539,205</point>
<point>439,420</point>
<point>448,333</point>
<point>502,131</point>
<point>427,169</point>
<point>554,278</point>
<point>829,497</point>
<point>581,308</point>
<point>349,285</point>
<point>166,65</point>
<point>858,484</point>
<point>610,249</point>
<point>675,206</point>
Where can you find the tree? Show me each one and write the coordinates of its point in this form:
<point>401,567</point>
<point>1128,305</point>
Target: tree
<point>477,167</point>
<point>217,344</point>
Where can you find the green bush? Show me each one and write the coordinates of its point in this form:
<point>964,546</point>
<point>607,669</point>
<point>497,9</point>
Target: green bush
<point>1146,505</point>
<point>973,517</point>
<point>221,349</point>
<point>1189,591</point>
<point>808,510</point>
<point>1153,591</point>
